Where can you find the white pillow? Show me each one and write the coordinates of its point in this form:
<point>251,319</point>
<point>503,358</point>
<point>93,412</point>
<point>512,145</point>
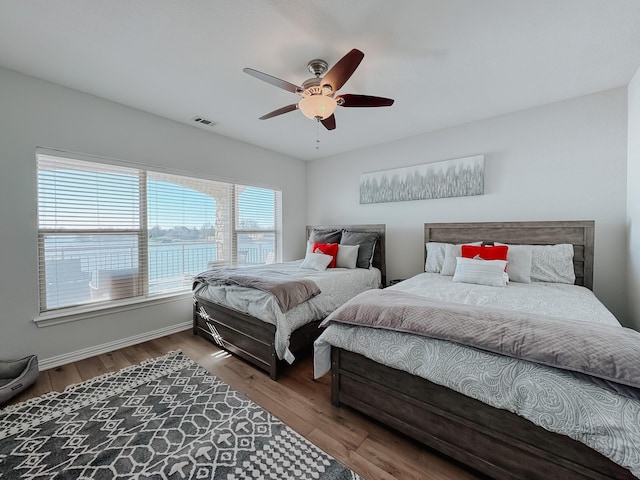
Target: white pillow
<point>553,263</point>
<point>450,254</point>
<point>481,272</point>
<point>519,262</point>
<point>316,261</point>
<point>347,256</point>
<point>435,256</point>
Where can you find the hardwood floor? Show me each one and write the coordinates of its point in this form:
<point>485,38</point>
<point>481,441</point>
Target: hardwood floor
<point>367,447</point>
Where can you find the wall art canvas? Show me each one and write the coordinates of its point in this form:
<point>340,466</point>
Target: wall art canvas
<point>451,178</point>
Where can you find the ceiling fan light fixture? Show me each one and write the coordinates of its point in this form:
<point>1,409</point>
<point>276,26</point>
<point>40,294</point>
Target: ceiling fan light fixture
<point>317,107</point>
<point>318,94</point>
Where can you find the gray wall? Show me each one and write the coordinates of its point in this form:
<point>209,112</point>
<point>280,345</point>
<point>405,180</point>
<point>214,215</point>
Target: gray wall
<point>37,113</point>
<point>564,161</point>
<point>633,199</point>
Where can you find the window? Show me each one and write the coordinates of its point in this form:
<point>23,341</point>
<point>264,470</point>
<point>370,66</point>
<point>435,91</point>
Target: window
<point>108,232</point>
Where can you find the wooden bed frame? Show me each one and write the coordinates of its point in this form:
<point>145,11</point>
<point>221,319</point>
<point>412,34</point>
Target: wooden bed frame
<point>253,339</point>
<point>493,441</point>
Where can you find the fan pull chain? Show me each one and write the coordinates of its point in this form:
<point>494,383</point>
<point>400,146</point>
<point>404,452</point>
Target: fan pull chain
<point>318,135</point>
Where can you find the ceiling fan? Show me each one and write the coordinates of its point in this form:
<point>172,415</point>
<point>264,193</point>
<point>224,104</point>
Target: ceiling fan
<point>318,100</point>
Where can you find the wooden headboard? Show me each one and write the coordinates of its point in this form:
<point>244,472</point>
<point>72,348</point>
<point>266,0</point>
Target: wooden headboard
<point>578,233</point>
<point>379,257</point>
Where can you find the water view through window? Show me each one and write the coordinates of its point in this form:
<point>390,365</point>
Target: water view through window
<point>94,246</point>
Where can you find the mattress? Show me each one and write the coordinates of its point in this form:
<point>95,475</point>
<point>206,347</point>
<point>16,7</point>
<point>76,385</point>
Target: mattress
<point>604,419</point>
<point>337,285</point>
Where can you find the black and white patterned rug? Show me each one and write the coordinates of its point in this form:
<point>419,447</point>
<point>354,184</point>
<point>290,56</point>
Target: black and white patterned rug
<point>167,418</point>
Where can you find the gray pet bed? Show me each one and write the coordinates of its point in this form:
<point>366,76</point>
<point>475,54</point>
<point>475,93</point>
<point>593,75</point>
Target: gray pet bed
<point>16,376</point>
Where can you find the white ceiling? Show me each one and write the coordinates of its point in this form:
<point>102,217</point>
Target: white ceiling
<point>445,62</point>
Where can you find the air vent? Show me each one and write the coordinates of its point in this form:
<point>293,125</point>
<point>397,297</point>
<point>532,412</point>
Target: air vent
<point>205,122</point>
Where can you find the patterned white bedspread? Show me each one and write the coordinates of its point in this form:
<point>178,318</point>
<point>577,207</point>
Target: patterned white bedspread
<point>337,285</point>
<point>553,399</point>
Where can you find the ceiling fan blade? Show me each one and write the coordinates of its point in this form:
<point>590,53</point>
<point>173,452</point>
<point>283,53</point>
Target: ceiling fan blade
<point>290,87</point>
<point>329,122</point>
<point>349,100</point>
<point>338,75</point>
<point>280,111</point>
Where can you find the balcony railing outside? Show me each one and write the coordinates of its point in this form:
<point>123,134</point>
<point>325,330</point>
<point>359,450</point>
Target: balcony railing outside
<point>78,275</point>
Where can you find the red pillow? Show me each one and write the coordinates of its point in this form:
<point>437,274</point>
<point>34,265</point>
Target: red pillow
<point>327,249</point>
<point>498,252</point>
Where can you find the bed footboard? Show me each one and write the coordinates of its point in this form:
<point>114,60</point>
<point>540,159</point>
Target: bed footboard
<point>245,336</point>
<point>493,441</point>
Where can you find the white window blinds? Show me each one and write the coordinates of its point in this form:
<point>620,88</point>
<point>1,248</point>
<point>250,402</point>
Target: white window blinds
<point>109,233</point>
<point>255,224</point>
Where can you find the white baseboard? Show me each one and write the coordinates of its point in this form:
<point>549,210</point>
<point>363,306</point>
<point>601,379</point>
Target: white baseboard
<point>58,360</point>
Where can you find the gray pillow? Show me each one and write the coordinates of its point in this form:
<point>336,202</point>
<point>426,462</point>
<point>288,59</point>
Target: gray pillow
<point>367,242</point>
<point>325,236</point>
<point>552,263</point>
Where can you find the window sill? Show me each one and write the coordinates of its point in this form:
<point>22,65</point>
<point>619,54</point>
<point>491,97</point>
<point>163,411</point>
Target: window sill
<point>73,315</point>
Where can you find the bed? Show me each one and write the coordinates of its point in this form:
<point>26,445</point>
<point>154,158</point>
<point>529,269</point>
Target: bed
<point>489,439</point>
<point>263,339</point>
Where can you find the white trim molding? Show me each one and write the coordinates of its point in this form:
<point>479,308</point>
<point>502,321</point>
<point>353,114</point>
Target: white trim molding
<point>70,357</point>
<point>74,314</point>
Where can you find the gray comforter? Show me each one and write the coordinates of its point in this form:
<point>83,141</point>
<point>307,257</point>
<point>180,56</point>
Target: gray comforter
<point>288,292</point>
<point>606,352</point>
